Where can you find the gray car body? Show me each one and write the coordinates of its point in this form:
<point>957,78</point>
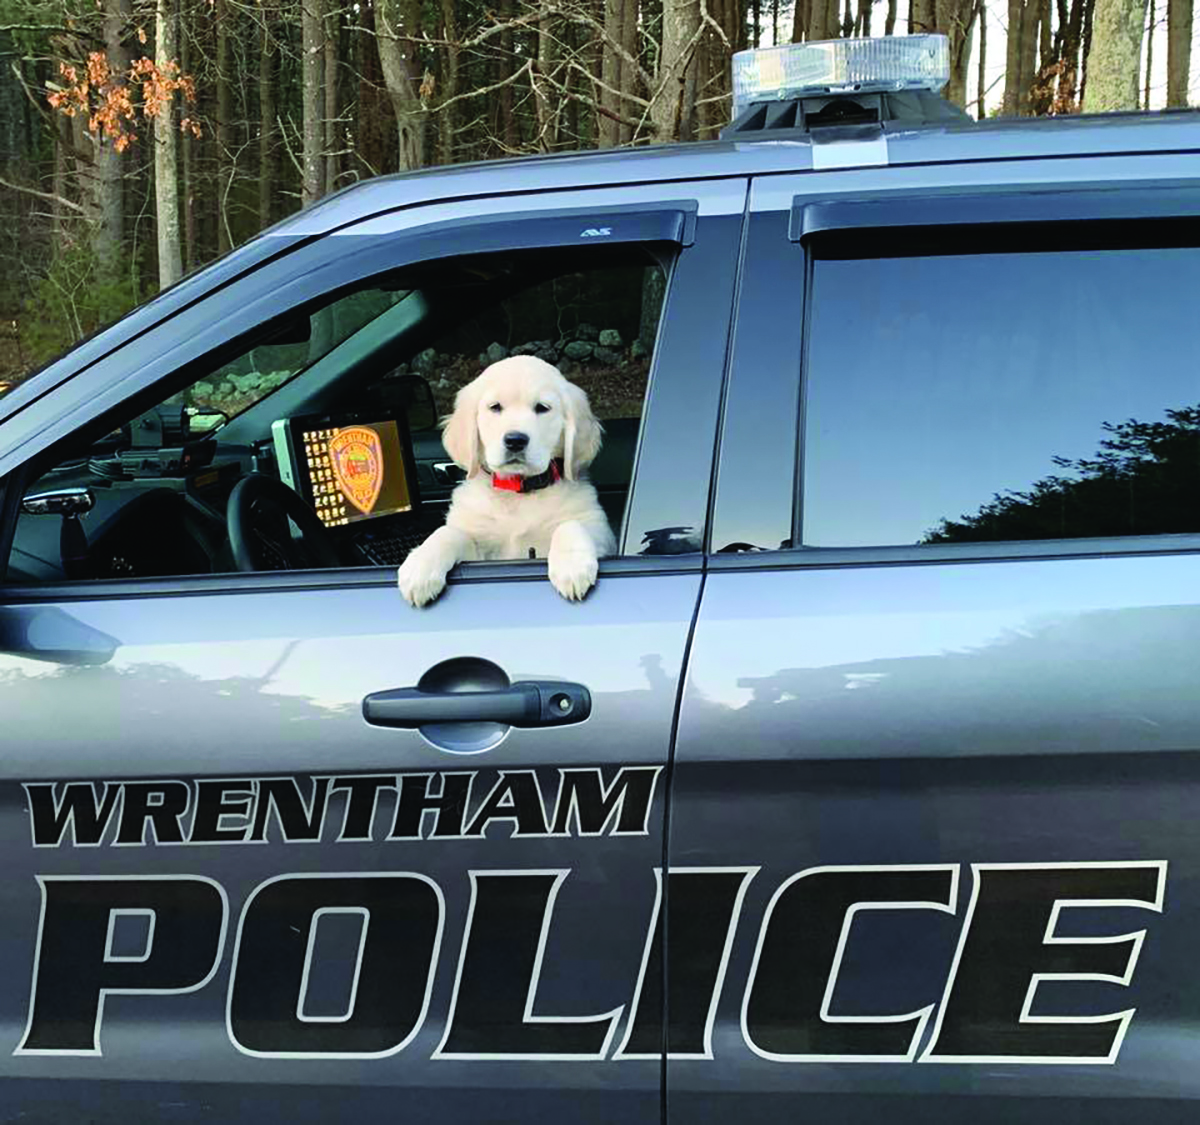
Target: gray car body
<point>724,672</point>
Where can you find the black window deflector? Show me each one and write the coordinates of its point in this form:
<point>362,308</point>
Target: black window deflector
<point>666,221</point>
<point>810,217</point>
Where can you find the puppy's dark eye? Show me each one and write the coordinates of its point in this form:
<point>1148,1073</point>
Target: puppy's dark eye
<point>541,408</point>
<point>495,408</point>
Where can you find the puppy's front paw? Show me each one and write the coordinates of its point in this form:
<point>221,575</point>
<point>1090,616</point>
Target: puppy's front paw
<point>573,573</point>
<point>419,580</point>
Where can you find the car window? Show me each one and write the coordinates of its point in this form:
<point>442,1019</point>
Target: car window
<point>236,383</point>
<point>596,326</point>
<point>594,315</point>
<point>1001,396</point>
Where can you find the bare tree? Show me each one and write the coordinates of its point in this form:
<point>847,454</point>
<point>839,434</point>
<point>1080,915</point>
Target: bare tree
<point>332,104</point>
<point>266,116</point>
<point>981,77</point>
<point>1024,17</point>
<point>630,79</point>
<point>674,101</point>
<point>1115,56</point>
<point>609,127</point>
<point>110,181</point>
<point>393,25</point>
<point>1179,51</point>
<point>1149,54</point>
<point>447,116</point>
<point>223,14</point>
<point>956,20</point>
<point>166,184</point>
<point>313,47</point>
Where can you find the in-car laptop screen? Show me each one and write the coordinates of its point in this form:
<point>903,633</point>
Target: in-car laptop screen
<point>350,472</point>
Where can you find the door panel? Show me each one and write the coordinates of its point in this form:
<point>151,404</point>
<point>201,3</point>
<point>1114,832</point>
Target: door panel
<point>960,771</point>
<point>227,895</point>
<point>1035,714</point>
<point>212,731</point>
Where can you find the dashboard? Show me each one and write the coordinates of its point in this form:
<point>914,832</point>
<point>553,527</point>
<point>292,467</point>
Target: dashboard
<point>147,524</point>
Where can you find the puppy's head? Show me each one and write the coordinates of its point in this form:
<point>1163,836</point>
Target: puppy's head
<point>517,417</point>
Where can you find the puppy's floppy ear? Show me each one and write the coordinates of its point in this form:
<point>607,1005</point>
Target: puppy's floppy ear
<point>460,432</point>
<point>583,434</point>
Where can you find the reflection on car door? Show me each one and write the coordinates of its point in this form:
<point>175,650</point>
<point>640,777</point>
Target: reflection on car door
<point>227,893</point>
<point>958,786</point>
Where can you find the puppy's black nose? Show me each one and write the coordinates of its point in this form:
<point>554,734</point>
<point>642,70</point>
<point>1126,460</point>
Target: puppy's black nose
<point>514,441</point>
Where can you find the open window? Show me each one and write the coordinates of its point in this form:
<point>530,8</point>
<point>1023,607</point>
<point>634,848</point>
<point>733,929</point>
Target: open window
<point>148,495</point>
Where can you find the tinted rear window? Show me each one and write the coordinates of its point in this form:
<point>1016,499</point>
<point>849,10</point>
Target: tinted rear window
<point>1025,395</point>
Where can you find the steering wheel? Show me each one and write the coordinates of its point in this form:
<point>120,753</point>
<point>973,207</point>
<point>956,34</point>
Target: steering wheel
<point>260,534</point>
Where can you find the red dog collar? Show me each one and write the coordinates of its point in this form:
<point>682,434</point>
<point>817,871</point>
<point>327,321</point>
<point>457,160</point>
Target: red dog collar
<point>507,482</point>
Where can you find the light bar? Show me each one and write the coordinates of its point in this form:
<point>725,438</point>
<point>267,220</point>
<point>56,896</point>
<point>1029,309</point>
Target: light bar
<point>892,62</point>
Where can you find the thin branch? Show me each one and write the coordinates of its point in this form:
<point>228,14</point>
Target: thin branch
<point>622,95</point>
<point>47,195</point>
<point>52,27</point>
<point>288,144</point>
<point>528,67</point>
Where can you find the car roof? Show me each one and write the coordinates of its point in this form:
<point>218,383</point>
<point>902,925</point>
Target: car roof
<point>946,142</point>
<point>968,141</point>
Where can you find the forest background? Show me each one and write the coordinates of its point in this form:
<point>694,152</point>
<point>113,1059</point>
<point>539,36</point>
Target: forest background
<point>140,139</point>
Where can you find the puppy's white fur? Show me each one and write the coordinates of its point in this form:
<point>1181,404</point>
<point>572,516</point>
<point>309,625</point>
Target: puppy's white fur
<point>563,522</point>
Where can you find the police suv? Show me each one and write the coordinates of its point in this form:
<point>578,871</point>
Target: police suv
<point>863,783</point>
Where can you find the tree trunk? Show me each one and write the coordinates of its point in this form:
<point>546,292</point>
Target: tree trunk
<point>1179,51</point>
<point>1149,55</point>
<point>570,41</point>
<point>332,108</point>
<point>1068,73</point>
<point>609,131</point>
<point>630,83</point>
<point>1115,56</point>
<point>449,58</point>
<point>1012,58</point>
<point>313,48</point>
<point>508,65</point>
<point>1089,16</point>
<point>1029,46</point>
<point>223,13</point>
<point>956,20</point>
<point>401,87</point>
<point>372,133</point>
<point>824,20</point>
<point>110,232</point>
<point>671,110</point>
<point>266,119</point>
<point>166,183</point>
<point>187,147</point>
<point>981,79</point>
<point>801,21</point>
<point>920,17</point>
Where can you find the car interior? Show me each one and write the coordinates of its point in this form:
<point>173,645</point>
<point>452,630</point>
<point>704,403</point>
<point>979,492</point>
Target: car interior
<point>316,443</point>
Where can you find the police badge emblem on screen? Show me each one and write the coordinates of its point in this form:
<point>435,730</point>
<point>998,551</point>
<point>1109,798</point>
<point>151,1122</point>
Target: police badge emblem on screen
<point>350,469</point>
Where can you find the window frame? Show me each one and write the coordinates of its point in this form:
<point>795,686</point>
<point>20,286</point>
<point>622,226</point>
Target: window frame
<point>778,260</point>
<point>145,368</point>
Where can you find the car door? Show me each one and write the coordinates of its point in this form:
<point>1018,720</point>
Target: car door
<point>228,893</point>
<point>931,837</point>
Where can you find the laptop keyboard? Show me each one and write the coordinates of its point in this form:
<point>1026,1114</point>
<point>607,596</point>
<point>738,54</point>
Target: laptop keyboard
<point>390,549</point>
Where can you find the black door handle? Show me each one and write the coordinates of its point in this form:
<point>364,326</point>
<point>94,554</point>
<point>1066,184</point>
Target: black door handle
<point>526,704</point>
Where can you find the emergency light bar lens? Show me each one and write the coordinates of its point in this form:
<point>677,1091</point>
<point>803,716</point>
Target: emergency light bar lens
<point>900,62</point>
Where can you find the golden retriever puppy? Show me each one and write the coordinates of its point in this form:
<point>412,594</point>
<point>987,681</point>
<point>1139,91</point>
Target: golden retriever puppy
<point>524,435</point>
